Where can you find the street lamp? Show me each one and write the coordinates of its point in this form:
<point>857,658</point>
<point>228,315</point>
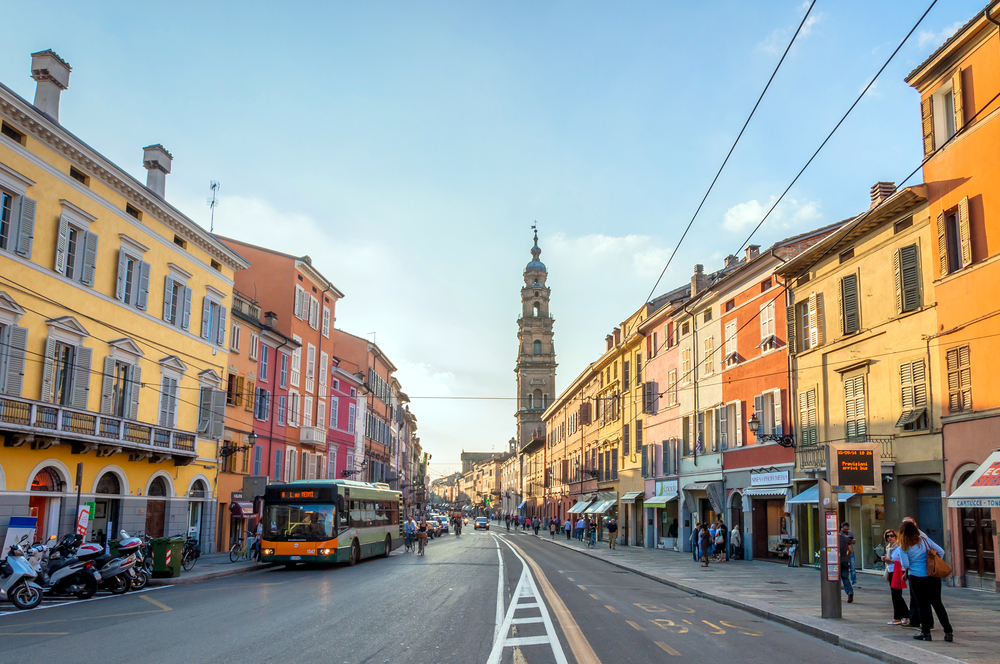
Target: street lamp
<point>227,450</point>
<point>758,429</point>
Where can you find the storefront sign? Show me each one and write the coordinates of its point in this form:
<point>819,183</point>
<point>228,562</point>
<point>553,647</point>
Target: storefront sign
<point>83,520</point>
<point>666,487</point>
<point>769,479</point>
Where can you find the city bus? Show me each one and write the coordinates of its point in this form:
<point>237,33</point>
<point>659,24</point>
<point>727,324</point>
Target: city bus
<point>329,521</point>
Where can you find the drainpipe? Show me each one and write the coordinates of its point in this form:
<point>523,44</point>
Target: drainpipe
<point>274,384</point>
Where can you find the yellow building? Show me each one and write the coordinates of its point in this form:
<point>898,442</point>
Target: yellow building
<point>113,323</point>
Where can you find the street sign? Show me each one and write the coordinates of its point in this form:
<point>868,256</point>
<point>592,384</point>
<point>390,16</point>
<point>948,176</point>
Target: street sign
<point>856,467</point>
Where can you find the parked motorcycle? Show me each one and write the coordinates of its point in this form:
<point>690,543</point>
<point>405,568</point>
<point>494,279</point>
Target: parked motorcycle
<point>67,568</point>
<point>140,573</point>
<point>17,579</point>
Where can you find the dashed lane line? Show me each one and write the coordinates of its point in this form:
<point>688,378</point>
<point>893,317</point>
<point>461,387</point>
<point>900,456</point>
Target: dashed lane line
<point>637,626</point>
<point>611,608</point>
<point>667,648</point>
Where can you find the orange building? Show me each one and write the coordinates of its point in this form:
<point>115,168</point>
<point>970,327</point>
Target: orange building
<point>958,86</point>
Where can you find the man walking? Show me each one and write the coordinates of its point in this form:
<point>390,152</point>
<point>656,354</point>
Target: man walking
<point>568,527</point>
<point>846,544</point>
<point>612,533</point>
<point>846,529</point>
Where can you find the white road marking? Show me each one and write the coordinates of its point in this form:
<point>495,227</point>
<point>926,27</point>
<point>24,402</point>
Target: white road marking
<point>499,618</point>
<point>60,601</point>
<point>526,589</point>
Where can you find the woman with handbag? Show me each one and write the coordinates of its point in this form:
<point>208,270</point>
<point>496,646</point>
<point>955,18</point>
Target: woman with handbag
<point>894,575</point>
<point>923,562</point>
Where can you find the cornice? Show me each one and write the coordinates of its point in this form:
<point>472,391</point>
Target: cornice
<point>53,135</point>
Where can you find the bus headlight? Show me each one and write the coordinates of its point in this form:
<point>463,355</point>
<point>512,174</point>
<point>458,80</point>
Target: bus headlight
<point>325,552</point>
<point>268,552</point>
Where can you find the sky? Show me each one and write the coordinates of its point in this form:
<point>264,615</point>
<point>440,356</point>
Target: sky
<point>409,147</point>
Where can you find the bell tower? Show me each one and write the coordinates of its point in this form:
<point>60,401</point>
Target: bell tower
<point>536,357</point>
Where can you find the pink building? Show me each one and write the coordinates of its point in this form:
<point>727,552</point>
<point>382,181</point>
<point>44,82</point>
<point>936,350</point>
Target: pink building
<point>342,431</point>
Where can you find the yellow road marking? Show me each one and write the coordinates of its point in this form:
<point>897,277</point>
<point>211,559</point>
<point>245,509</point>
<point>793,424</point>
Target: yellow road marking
<point>667,648</point>
<point>155,603</point>
<point>636,625</point>
<point>578,643</point>
<point>611,608</point>
<point>741,629</point>
<point>33,633</point>
<point>583,588</point>
<point>568,578</point>
<point>663,623</point>
<point>719,629</point>
<point>594,596</point>
<point>646,607</point>
<point>689,622</point>
<point>683,608</point>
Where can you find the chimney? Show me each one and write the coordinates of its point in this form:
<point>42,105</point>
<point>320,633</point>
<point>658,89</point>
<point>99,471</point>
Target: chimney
<point>731,260</point>
<point>699,281</point>
<point>882,191</point>
<point>271,320</point>
<point>753,250</point>
<point>157,160</point>
<point>610,341</point>
<point>51,73</point>
<point>618,335</point>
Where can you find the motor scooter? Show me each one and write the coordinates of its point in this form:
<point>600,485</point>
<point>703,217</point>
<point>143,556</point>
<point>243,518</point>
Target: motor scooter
<point>67,568</point>
<point>17,579</point>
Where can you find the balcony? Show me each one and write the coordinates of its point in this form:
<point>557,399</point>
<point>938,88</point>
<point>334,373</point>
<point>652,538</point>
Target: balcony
<point>813,457</point>
<point>246,306</point>
<point>44,425</point>
<point>312,436</point>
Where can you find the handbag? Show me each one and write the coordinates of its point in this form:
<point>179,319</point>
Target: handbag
<point>936,567</point>
<point>898,582</point>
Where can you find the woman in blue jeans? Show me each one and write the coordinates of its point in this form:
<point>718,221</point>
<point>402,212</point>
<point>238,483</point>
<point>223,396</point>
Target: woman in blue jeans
<point>912,555</point>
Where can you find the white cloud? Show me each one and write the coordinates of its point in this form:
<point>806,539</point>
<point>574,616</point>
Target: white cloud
<point>929,38</point>
<point>644,253</point>
<point>777,41</point>
<point>791,213</point>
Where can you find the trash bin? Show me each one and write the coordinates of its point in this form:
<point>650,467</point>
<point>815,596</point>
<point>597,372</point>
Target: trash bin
<point>164,566</point>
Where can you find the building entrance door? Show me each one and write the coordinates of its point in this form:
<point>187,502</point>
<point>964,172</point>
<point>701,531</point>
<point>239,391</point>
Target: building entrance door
<point>155,510</point>
<point>929,511</point>
<point>977,547</point>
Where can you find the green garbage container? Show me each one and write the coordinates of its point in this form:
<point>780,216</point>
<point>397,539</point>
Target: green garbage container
<point>161,545</point>
<point>113,547</point>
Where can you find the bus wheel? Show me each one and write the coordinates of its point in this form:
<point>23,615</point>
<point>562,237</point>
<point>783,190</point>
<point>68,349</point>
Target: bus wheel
<point>355,554</point>
<point>388,546</point>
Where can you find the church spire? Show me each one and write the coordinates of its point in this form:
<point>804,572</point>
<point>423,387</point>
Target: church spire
<point>535,264</point>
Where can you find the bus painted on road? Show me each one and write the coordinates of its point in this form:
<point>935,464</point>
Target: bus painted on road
<point>330,521</point>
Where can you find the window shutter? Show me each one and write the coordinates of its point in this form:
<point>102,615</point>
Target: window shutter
<point>965,377</point>
<point>204,409</point>
<point>909,259</point>
<point>249,405</point>
<point>143,295</point>
<point>218,418</point>
<point>168,300</point>
<point>850,314</point>
<point>89,259</point>
<point>942,236</point>
<point>956,93</point>
<point>964,234</point>
<point>135,383</point>
<point>238,397</point>
<point>62,244</point>
<point>17,341</point>
<point>778,429</point>
<point>919,384</point>
<point>790,330</point>
<point>758,410</point>
<point>813,321</point>
<point>738,427</point>
<point>898,272</point>
<point>164,420</point>
<point>81,377</point>
<point>927,121</point>
<point>220,329</point>
<point>26,227</point>
<point>206,316</point>
<point>645,462</point>
<point>107,385</point>
<point>724,426</point>
<point>122,271</point>
<point>186,317</point>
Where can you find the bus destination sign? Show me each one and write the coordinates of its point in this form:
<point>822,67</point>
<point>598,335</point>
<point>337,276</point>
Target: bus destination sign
<point>298,495</point>
<point>856,467</point>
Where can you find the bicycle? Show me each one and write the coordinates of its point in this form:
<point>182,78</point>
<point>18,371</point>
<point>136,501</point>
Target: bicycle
<point>409,545</point>
<point>591,540</point>
<point>190,554</point>
<point>243,550</point>
<point>421,544</point>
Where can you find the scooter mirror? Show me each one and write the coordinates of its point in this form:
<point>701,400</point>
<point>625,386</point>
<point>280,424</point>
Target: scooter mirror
<point>52,537</point>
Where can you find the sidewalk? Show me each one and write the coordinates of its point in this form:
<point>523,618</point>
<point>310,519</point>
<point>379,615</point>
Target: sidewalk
<point>791,596</point>
<point>212,566</point>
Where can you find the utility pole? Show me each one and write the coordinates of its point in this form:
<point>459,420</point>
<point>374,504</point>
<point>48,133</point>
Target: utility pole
<point>213,203</point>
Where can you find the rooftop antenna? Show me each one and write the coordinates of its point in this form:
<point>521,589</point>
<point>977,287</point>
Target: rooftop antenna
<point>373,337</point>
<point>213,203</point>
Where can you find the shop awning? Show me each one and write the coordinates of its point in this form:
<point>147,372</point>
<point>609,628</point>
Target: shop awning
<point>580,506</point>
<point>776,492</point>
<point>982,489</point>
<point>600,506</point>
<point>632,495</point>
<point>241,510</point>
<point>522,504</point>
<point>811,497</point>
<point>661,500</point>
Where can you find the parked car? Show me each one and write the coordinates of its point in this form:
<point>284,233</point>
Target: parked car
<point>443,520</point>
<point>482,522</point>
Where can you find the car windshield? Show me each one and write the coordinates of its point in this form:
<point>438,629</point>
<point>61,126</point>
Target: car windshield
<point>482,519</point>
<point>284,522</point>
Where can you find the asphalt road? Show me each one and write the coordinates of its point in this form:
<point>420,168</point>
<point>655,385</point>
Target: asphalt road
<point>441,608</point>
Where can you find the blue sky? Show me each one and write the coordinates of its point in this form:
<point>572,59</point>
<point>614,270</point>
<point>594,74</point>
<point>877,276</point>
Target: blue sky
<point>408,147</point>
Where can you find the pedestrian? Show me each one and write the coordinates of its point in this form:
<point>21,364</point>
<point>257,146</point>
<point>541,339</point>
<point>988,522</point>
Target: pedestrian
<point>672,531</point>
<point>894,574</point>
<point>696,543</point>
<point>568,527</point>
<point>720,541</point>
<point>846,529</point>
<point>705,539</point>
<point>580,525</point>
<point>736,541</point>
<point>553,527</point>
<point>914,551</point>
<point>846,544</point>
<point>536,524</point>
<point>612,533</point>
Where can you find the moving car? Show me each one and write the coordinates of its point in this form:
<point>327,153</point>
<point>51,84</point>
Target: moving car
<point>482,522</point>
<point>433,528</point>
<point>443,520</point>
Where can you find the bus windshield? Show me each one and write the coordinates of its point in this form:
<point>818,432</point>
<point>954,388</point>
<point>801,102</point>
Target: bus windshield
<point>284,521</point>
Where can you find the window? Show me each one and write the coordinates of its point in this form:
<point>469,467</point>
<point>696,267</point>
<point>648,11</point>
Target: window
<point>765,285</point>
<point>216,265</point>
<point>12,134</point>
<point>954,239</point>
<point>668,332</point>
<point>672,387</point>
<point>902,225</point>
<point>324,361</point>
<point>120,389</point>
<point>294,406</point>
<point>535,309</point>
<point>626,375</point>
<point>76,252</point>
<point>307,411</point>
<point>234,391</point>
<point>850,310</point>
<point>730,425</point>
<point>807,418</point>
<point>959,379</point>
<point>280,414</point>
<point>767,408</point>
<point>213,322</point>
<point>133,211</point>
<point>906,263</point>
<point>686,365</point>
<point>352,415</point>
<point>709,355</point>
<point>846,255</point>
<point>686,436</point>
<point>537,347</point>
<point>283,372</point>
<point>625,439</point>
<point>177,303</point>
<point>296,363</point>
<point>179,241</point>
<point>913,384</point>
<point>732,356</point>
<point>257,453</point>
<point>854,407</point>
<point>808,317</point>
<point>60,369</point>
<point>334,412</point>
<point>301,305</point>
<point>730,305</point>
<point>133,280</point>
<point>310,367</point>
<point>212,413</point>
<point>79,176</point>
<point>250,399</point>
<point>278,477</point>
<point>262,408</point>
<point>254,346</point>
<point>707,315</point>
<point>354,393</point>
<point>685,329</point>
<point>326,322</point>
<point>235,335</point>
<point>334,384</point>
<point>313,313</point>
<point>168,402</point>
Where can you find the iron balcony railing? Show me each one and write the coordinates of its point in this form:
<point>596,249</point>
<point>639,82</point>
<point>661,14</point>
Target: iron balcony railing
<point>813,457</point>
<point>39,423</point>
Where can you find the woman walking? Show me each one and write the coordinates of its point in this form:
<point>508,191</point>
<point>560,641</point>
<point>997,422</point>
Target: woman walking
<point>553,527</point>
<point>914,551</point>
<point>894,573</point>
<point>706,544</point>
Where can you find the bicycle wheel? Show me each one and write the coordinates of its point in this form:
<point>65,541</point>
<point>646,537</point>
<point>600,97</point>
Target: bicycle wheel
<point>235,552</point>
<point>188,560</point>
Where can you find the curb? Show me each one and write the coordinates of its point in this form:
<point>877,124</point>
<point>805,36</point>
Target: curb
<point>264,567</point>
<point>849,638</point>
